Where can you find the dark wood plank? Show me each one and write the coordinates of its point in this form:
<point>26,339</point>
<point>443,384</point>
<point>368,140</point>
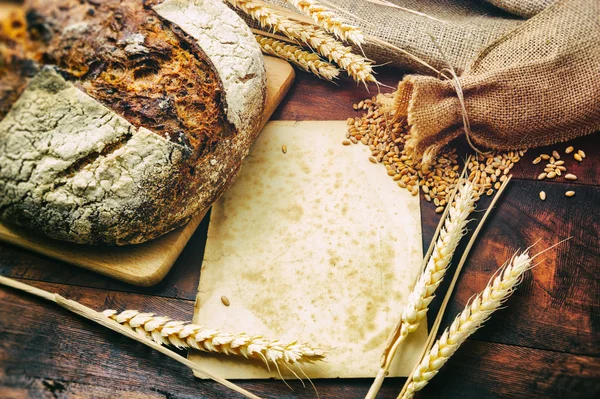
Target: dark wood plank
<point>311,99</point>
<point>587,171</point>
<point>556,306</point>
<point>77,356</point>
<point>488,370</point>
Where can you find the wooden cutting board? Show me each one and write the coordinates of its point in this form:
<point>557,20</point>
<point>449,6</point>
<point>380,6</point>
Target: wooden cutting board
<point>143,264</point>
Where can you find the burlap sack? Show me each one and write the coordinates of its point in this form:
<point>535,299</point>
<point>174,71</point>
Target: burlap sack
<point>537,85</point>
<point>526,82</point>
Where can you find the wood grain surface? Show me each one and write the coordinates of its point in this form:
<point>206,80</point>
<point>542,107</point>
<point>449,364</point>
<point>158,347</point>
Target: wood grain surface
<point>544,344</point>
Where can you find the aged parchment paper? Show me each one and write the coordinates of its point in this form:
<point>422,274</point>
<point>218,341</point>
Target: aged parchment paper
<point>317,244</point>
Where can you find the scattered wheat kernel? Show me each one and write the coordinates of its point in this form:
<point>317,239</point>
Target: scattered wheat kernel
<point>545,157</point>
<point>581,153</point>
<point>570,193</point>
<point>284,149</point>
<point>497,185</point>
<point>372,160</point>
<point>561,168</point>
<point>346,142</point>
<point>570,176</point>
<point>551,175</point>
<point>439,209</point>
<point>552,160</point>
<point>537,160</point>
<point>578,157</point>
<point>225,300</point>
<point>558,172</point>
<point>559,163</point>
<point>542,176</point>
<point>543,195</point>
<point>489,192</point>
<point>555,154</point>
<point>569,149</point>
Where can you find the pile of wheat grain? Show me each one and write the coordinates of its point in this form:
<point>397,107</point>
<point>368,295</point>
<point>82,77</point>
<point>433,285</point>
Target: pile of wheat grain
<point>386,135</point>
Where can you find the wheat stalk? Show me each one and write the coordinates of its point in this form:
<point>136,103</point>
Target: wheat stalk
<point>423,292</point>
<point>357,67</point>
<point>309,62</point>
<point>101,319</point>
<point>328,21</point>
<point>165,331</point>
<point>499,288</point>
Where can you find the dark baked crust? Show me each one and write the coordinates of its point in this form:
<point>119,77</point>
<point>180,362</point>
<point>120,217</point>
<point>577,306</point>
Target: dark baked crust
<point>171,99</point>
<point>16,68</point>
<point>125,56</point>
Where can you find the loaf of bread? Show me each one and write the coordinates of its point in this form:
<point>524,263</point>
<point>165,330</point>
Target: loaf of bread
<point>120,119</point>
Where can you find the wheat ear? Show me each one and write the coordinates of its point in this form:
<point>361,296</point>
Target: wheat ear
<point>455,226</point>
<point>454,229</point>
<point>328,21</point>
<point>500,287</point>
<point>165,331</point>
<point>310,62</point>
<point>357,67</point>
<point>101,319</point>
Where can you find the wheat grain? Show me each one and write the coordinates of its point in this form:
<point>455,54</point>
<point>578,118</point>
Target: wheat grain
<point>357,67</point>
<point>500,287</point>
<point>423,292</point>
<point>310,62</point>
<point>328,21</point>
<point>165,331</point>
<point>386,132</point>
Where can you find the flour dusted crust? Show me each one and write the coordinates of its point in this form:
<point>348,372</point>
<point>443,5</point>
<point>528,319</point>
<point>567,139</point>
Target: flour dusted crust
<point>232,49</point>
<point>77,165</point>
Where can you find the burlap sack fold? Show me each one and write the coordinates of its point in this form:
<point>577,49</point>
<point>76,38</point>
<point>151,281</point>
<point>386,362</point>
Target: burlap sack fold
<point>523,8</point>
<point>537,85</point>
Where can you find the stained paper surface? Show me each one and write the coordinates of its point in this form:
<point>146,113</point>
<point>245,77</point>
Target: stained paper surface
<point>317,245</point>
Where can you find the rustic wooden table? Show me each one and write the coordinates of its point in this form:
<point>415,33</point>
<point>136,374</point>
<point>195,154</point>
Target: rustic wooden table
<point>544,344</point>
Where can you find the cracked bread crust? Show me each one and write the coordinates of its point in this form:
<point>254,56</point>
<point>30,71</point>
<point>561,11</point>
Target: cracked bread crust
<point>75,167</point>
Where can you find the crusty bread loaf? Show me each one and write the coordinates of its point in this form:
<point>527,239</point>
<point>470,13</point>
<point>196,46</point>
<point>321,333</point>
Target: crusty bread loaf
<point>138,115</point>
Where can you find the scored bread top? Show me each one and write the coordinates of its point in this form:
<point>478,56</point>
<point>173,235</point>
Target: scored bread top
<point>142,120</point>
